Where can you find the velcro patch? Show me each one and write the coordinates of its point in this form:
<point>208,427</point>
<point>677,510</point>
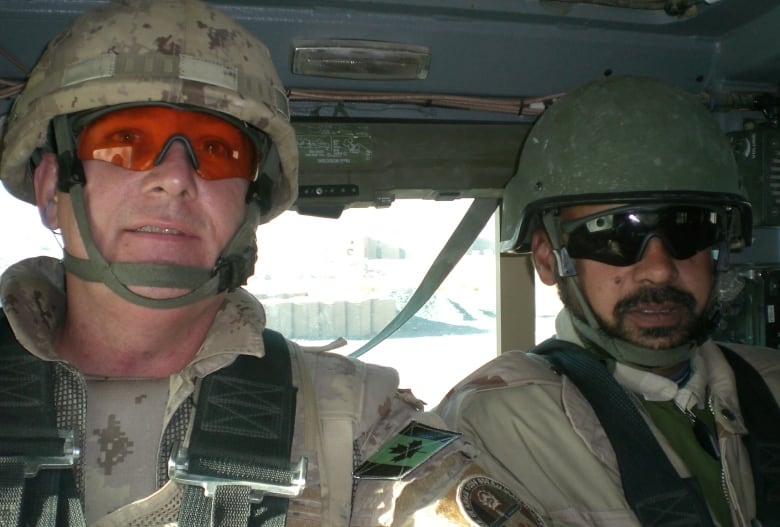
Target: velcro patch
<point>413,446</point>
<point>487,503</point>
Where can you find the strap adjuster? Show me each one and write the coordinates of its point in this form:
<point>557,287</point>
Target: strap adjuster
<point>70,453</point>
<point>178,471</point>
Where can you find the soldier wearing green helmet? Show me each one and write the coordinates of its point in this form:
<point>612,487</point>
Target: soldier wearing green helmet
<point>140,385</point>
<point>628,198</point>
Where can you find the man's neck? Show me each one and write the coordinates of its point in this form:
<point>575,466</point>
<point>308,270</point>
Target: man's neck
<point>104,335</point>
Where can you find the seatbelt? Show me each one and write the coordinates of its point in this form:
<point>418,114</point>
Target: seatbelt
<point>653,488</point>
<point>762,418</point>
<point>236,467</point>
<point>460,241</point>
<point>237,464</point>
<point>36,459</point>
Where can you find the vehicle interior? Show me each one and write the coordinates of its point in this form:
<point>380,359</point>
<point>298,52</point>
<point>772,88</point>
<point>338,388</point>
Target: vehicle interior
<point>427,102</point>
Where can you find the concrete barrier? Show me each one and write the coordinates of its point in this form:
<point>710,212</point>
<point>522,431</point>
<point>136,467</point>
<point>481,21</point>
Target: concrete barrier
<point>300,319</point>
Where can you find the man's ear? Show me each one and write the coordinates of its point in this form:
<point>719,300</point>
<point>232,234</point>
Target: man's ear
<point>45,180</point>
<point>544,258</point>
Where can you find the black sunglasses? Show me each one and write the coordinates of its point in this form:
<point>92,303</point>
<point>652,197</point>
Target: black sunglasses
<point>619,236</point>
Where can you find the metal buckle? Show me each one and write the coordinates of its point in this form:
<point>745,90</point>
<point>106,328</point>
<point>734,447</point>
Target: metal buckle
<point>70,453</point>
<point>178,471</point>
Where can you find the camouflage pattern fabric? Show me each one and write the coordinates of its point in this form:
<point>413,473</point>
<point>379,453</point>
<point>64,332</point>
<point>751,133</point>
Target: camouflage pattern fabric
<point>345,411</point>
<point>144,51</point>
<point>538,436</point>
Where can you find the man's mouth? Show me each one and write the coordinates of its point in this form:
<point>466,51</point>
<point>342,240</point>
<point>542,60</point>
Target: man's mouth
<point>656,316</point>
<point>654,310</point>
<point>656,301</point>
<point>159,230</point>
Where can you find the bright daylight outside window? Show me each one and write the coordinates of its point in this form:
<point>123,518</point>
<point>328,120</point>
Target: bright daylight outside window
<point>321,279</point>
<point>547,306</point>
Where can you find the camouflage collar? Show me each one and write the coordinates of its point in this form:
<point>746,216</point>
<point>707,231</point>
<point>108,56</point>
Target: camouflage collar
<point>33,296</point>
<point>32,292</point>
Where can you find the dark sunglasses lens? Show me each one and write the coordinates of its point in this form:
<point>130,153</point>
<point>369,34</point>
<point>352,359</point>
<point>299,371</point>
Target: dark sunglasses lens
<point>619,238</point>
<point>699,230</point>
<point>608,246</point>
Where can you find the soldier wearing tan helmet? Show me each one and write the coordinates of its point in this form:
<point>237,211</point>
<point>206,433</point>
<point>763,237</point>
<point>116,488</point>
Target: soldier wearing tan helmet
<point>139,385</point>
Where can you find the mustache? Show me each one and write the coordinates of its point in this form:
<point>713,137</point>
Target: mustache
<point>655,295</point>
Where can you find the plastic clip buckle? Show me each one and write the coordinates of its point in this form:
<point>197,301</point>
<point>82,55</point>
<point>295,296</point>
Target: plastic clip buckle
<point>70,453</point>
<point>178,471</point>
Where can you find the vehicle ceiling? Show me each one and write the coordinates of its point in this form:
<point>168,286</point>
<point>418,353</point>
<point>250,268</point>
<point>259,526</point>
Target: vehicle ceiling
<point>494,64</point>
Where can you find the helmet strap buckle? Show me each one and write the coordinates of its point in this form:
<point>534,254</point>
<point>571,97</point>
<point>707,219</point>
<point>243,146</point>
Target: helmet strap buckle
<point>70,169</point>
<point>551,220</point>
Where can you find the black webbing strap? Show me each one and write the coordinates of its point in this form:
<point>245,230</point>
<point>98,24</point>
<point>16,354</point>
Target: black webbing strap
<point>653,488</point>
<point>37,486</point>
<point>242,432</point>
<point>762,418</point>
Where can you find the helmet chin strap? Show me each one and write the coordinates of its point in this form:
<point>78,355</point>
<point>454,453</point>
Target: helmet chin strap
<point>587,325</point>
<point>232,268</point>
<point>622,350</point>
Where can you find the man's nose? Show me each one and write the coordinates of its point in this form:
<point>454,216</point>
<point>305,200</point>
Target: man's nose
<point>175,169</point>
<point>177,140</point>
<point>657,263</point>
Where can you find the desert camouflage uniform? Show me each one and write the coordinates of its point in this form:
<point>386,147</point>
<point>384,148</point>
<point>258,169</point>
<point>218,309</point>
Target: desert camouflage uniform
<point>345,409</point>
<point>186,52</point>
<point>538,436</point>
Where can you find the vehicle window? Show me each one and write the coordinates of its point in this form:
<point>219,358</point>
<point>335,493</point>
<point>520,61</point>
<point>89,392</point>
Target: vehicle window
<point>547,306</point>
<point>321,279</point>
<point>23,235</point>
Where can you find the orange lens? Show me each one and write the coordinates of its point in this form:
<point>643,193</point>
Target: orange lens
<point>133,138</point>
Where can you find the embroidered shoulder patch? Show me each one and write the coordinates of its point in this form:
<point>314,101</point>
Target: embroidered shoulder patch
<point>487,503</point>
<point>413,446</point>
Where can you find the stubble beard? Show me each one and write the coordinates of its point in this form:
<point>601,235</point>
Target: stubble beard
<point>692,326</point>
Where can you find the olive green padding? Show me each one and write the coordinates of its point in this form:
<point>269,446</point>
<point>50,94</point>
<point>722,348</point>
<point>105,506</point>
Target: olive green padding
<point>174,51</point>
<point>622,140</point>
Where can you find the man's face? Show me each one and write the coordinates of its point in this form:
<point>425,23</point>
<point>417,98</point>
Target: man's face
<point>657,302</point>
<point>165,215</point>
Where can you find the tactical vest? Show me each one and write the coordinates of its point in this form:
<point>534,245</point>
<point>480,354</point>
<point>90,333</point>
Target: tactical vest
<point>650,482</point>
<point>234,471</point>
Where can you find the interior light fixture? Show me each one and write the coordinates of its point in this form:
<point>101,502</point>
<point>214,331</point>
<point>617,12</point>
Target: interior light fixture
<point>361,59</point>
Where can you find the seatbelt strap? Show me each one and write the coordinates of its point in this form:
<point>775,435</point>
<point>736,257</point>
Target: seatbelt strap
<point>653,488</point>
<point>37,486</point>
<point>762,418</point>
<point>460,241</point>
<point>237,467</point>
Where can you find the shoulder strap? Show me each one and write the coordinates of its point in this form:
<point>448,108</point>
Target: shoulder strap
<point>36,459</point>
<point>653,488</point>
<point>237,465</point>
<point>762,415</point>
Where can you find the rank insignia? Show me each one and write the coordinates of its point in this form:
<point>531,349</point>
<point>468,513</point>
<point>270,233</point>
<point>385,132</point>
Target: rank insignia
<point>487,503</point>
<point>413,446</point>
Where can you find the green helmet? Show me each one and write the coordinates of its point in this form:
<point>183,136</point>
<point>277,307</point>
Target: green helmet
<point>622,140</point>
<point>172,52</point>
<point>146,51</point>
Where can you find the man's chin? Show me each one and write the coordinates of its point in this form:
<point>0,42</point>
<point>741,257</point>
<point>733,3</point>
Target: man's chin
<point>656,339</point>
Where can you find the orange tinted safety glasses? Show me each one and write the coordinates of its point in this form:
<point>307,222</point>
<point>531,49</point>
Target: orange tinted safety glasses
<point>138,137</point>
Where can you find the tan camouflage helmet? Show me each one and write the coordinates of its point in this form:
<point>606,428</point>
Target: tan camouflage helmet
<point>136,51</point>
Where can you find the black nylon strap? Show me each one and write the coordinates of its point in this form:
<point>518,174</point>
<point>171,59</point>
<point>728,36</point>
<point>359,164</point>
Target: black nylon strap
<point>28,419</point>
<point>656,493</point>
<point>243,430</point>
<point>762,418</point>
